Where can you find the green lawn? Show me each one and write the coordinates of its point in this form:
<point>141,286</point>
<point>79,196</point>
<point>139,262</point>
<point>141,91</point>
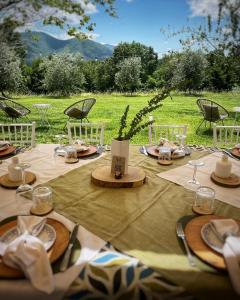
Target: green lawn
<point>109,108</point>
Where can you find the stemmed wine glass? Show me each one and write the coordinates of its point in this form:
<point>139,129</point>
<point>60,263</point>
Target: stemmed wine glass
<point>181,138</point>
<point>195,164</point>
<point>59,150</point>
<point>24,187</point>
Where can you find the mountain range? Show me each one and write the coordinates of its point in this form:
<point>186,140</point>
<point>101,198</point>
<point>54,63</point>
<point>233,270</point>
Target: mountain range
<point>40,44</point>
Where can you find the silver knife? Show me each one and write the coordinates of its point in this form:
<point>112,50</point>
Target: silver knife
<point>144,150</point>
<point>230,155</point>
<point>67,255</point>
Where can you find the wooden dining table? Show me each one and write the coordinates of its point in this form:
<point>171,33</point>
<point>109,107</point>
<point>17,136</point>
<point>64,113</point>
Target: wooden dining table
<point>138,221</point>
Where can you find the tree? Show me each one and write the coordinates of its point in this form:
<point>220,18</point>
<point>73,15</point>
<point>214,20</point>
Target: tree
<point>128,76</point>
<point>149,58</point>
<point>222,34</point>
<point>62,80</point>
<point>11,79</point>
<point>34,76</point>
<point>189,71</point>
<point>222,71</point>
<point>57,12</point>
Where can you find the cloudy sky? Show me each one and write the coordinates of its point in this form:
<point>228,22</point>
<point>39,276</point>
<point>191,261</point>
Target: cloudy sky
<point>141,21</point>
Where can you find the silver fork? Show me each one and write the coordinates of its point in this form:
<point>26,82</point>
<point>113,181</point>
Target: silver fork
<point>181,235</point>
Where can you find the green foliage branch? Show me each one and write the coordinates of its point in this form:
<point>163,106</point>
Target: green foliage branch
<point>136,125</point>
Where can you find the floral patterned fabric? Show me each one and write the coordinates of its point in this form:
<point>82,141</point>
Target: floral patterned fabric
<point>115,275</point>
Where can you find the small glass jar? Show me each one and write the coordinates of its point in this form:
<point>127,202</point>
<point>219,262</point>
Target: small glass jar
<point>204,200</point>
<point>70,155</point>
<point>42,200</point>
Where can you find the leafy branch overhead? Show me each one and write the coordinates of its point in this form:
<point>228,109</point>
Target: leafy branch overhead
<point>136,125</point>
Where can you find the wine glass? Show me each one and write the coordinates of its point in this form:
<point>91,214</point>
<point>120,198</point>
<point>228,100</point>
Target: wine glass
<point>24,189</point>
<point>195,164</point>
<point>181,138</point>
<point>60,137</point>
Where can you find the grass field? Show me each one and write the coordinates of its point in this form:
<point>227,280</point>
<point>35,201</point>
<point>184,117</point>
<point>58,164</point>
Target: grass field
<point>108,109</point>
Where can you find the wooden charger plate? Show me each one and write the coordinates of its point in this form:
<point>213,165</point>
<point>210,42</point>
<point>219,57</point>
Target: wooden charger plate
<point>58,248</point>
<point>152,150</point>
<point>198,246</point>
<point>236,152</point>
<point>7,151</point>
<point>91,150</point>
<point>7,183</point>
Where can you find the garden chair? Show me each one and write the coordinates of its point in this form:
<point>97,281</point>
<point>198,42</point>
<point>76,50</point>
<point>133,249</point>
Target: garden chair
<point>80,109</point>
<point>174,133</point>
<point>12,109</point>
<point>226,136</point>
<point>87,132</point>
<point>211,111</point>
<point>18,134</point>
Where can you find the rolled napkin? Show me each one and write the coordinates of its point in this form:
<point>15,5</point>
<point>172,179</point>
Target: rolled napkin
<point>27,252</point>
<point>228,231</point>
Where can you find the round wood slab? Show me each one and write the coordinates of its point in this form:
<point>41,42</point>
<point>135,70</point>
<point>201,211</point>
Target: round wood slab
<point>58,248</point>
<point>232,182</point>
<point>7,151</point>
<point>165,162</point>
<point>198,246</point>
<point>102,176</point>
<point>91,150</point>
<point>7,183</point>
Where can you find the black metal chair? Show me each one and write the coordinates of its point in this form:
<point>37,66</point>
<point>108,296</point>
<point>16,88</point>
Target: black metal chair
<point>212,112</point>
<point>80,109</point>
<point>12,109</point>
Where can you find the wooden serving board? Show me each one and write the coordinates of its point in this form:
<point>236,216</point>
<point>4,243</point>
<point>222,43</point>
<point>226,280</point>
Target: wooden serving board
<point>91,150</point>
<point>7,151</point>
<point>236,152</point>
<point>198,246</point>
<point>7,183</point>
<point>232,182</point>
<point>102,177</point>
<point>58,248</point>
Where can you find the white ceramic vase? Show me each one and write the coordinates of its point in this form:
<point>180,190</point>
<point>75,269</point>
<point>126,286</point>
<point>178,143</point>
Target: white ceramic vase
<point>120,149</point>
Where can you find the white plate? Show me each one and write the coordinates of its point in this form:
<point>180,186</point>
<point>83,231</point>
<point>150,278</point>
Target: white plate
<point>47,236</point>
<point>211,238</point>
<point>80,148</point>
<point>4,146</point>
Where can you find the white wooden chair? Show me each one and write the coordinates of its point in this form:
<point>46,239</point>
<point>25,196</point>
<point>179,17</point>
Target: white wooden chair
<point>18,134</point>
<point>92,133</point>
<point>172,133</point>
<point>226,136</point>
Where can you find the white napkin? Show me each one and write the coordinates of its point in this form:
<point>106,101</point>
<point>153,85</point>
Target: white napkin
<point>227,230</point>
<point>27,252</point>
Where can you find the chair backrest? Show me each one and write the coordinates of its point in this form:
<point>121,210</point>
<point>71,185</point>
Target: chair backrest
<point>226,136</point>
<point>169,132</point>
<point>87,132</point>
<point>18,134</point>
<point>80,109</point>
<point>13,109</point>
<point>211,110</point>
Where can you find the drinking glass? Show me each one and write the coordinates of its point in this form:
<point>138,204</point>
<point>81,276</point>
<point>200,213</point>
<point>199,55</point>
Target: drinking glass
<point>164,153</point>
<point>204,200</point>
<point>42,200</point>
<point>195,164</point>
<point>24,188</point>
<point>71,154</point>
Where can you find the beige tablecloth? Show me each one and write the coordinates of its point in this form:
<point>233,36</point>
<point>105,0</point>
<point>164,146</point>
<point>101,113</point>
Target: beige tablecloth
<point>182,174</point>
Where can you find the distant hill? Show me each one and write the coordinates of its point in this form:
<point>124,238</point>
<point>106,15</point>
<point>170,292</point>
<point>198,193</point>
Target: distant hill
<point>41,44</point>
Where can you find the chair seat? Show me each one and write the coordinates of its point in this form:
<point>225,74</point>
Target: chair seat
<point>75,113</point>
